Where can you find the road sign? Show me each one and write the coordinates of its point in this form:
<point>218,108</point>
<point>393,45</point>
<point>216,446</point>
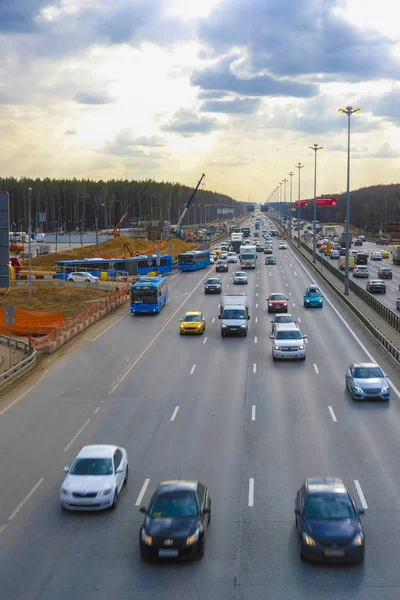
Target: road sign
<point>326,202</point>
<point>305,237</point>
<point>137,253</point>
<point>9,312</point>
<point>302,203</point>
<point>112,264</point>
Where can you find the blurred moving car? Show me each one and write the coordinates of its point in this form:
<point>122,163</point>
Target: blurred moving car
<point>360,271</point>
<point>282,319</point>
<point>95,479</point>
<point>376,256</point>
<point>376,286</point>
<point>221,266</point>
<point>83,276</point>
<point>277,302</point>
<point>313,297</point>
<point>176,520</point>
<point>240,277</point>
<point>270,259</point>
<point>328,521</point>
<point>385,273</point>
<point>367,380</point>
<point>385,254</point>
<point>213,285</point>
<point>282,246</point>
<point>232,257</point>
<point>192,322</point>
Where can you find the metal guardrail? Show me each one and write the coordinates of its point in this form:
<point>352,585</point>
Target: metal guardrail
<point>18,345</point>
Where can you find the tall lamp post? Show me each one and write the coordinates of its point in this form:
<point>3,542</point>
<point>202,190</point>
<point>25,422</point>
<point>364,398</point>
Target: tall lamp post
<point>349,110</point>
<point>298,166</point>
<point>290,216</point>
<point>315,148</point>
<point>29,248</point>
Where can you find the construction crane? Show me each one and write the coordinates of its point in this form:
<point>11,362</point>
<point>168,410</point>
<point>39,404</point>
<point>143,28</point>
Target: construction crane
<point>177,228</point>
<point>117,229</point>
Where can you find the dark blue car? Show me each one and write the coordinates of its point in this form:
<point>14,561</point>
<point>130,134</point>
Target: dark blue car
<point>328,522</point>
<point>313,297</point>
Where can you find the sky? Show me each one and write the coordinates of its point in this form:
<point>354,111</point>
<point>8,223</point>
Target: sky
<point>169,89</point>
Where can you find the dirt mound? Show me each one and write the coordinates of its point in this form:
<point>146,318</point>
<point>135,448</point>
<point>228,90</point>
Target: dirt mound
<point>114,248</point>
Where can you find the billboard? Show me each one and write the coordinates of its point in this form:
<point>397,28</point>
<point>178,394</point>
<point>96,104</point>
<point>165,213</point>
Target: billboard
<point>326,202</point>
<point>4,241</point>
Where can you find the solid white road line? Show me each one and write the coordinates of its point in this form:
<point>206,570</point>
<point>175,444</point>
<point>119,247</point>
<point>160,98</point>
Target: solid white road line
<point>251,491</point>
<point>334,419</point>
<point>294,306</point>
<point>355,337</point>
<point>256,305</point>
<point>256,319</point>
<point>295,273</point>
<point>2,528</point>
<point>256,284</point>
<point>109,327</point>
<point>306,340</point>
<point>254,368</point>
<point>256,293</point>
<point>205,339</point>
<point>255,339</point>
<point>25,500</point>
<point>287,285</point>
<point>227,285</point>
<point>174,413</point>
<point>148,346</point>
<point>192,369</point>
<point>298,319</point>
<point>68,446</point>
<point>14,402</point>
<point>142,492</point>
<point>360,493</point>
<point>253,412</point>
<point>97,410</point>
<point>315,368</point>
<point>213,319</point>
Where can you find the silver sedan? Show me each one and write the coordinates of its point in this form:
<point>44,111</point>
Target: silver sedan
<point>240,277</point>
<point>367,381</point>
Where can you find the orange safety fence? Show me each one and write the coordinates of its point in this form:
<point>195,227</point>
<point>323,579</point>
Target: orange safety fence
<point>29,322</point>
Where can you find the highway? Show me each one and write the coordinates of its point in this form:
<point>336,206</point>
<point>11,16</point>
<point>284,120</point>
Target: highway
<point>212,408</point>
<point>392,285</point>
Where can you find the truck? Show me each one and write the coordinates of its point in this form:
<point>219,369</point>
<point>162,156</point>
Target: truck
<point>245,231</point>
<point>396,255</point>
<point>342,263</point>
<point>342,239</point>
<point>248,256</point>
<point>234,314</point>
<point>332,230</point>
<point>236,241</point>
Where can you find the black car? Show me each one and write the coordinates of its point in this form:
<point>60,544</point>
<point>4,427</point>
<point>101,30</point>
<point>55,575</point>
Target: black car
<point>376,286</point>
<point>358,242</point>
<point>328,522</point>
<point>361,259</point>
<point>221,266</point>
<point>213,286</point>
<point>385,273</point>
<point>270,259</point>
<point>176,521</point>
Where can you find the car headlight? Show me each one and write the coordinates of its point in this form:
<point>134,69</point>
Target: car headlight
<point>192,539</point>
<point>385,389</point>
<point>358,540</point>
<point>358,389</point>
<point>105,492</point>
<point>66,492</point>
<point>146,539</point>
<point>307,300</point>
<point>308,540</point>
<point>199,325</point>
<point>301,347</point>
<point>276,348</point>
<point>224,326</point>
<point>243,326</point>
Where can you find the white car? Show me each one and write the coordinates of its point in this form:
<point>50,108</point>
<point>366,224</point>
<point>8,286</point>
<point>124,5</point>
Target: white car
<point>95,479</point>
<point>223,255</point>
<point>240,277</point>
<point>80,276</point>
<point>376,256</point>
<point>232,257</point>
<point>282,246</point>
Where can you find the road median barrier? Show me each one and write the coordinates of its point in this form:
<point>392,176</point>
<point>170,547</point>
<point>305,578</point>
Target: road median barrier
<point>20,369</point>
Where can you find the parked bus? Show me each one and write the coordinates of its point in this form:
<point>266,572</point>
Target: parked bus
<point>149,295</point>
<point>192,261</point>
<point>137,265</point>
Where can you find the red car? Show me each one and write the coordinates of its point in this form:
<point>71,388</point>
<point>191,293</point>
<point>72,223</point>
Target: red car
<point>277,302</point>
<point>385,273</point>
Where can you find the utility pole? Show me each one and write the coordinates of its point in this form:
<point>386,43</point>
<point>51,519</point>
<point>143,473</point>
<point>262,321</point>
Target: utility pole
<point>29,248</point>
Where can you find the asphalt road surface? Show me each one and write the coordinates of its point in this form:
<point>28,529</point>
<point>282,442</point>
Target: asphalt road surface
<point>250,428</point>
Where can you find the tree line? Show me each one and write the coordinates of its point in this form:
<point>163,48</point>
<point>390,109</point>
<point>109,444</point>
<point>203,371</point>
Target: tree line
<point>74,204</point>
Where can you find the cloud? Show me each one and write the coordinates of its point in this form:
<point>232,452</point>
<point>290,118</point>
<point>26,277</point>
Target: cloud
<point>233,161</point>
<point>386,151</point>
<point>126,145</point>
<point>126,138</point>
<point>70,132</point>
<point>188,123</point>
<point>246,106</point>
<point>336,148</point>
<point>220,77</point>
<point>211,94</point>
<point>387,106</point>
<point>303,38</point>
<point>18,16</point>
<point>93,98</point>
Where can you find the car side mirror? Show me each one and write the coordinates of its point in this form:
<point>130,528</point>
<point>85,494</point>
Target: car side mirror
<point>297,511</point>
<point>271,337</point>
<point>206,511</point>
<point>121,470</point>
<point>305,336</point>
<point>361,511</point>
<point>219,316</point>
<point>143,510</point>
<point>66,469</point>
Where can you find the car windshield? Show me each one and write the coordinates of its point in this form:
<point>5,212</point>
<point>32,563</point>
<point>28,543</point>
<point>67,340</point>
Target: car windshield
<point>330,507</point>
<point>192,318</point>
<point>239,274</point>
<point>247,256</point>
<point>313,292</point>
<point>277,297</point>
<point>367,372</point>
<point>283,319</point>
<point>288,335</point>
<point>221,262</point>
<point>212,281</point>
<point>174,504</point>
<point>231,313</point>
<point>92,466</point>
<point>147,296</point>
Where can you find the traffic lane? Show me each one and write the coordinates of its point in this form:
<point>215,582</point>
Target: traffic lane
<point>209,462</point>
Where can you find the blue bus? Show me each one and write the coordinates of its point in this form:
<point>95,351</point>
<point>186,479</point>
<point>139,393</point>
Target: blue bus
<point>137,265</point>
<point>149,295</point>
<point>192,261</point>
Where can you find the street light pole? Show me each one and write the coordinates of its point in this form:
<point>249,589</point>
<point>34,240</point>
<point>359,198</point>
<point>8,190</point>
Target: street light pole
<point>29,248</point>
<point>315,148</point>
<point>290,204</point>
<point>298,166</point>
<point>348,111</point>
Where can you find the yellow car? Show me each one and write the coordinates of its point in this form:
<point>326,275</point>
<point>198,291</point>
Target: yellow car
<point>192,322</point>
<point>385,253</point>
